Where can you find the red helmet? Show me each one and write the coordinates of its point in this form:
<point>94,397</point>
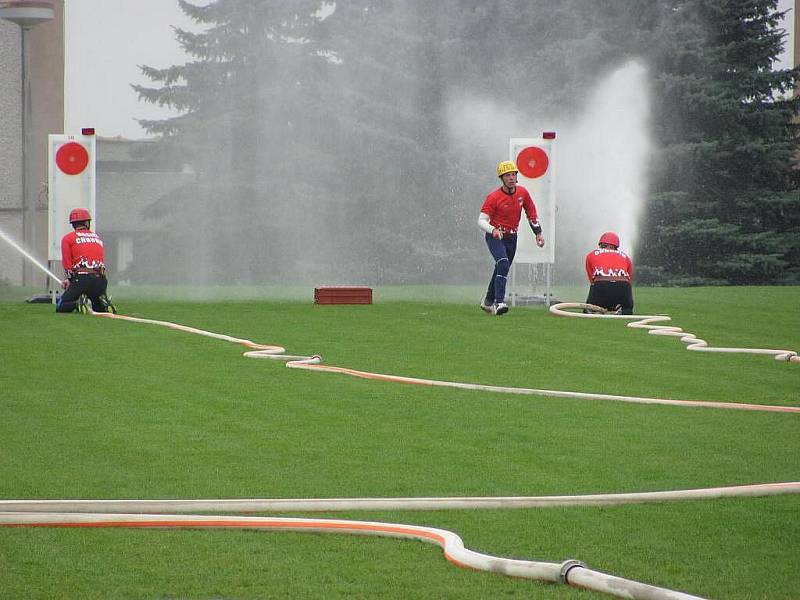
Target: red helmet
<point>79,214</point>
<point>610,238</point>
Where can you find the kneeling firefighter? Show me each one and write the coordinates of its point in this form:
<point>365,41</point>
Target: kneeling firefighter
<point>83,258</point>
<point>610,273</point>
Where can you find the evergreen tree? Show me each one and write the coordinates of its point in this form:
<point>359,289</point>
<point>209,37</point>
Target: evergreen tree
<point>387,128</point>
<point>726,207</point>
<point>322,142</point>
<point>357,112</point>
<point>247,101</point>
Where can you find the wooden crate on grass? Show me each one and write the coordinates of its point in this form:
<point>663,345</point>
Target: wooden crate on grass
<point>343,295</point>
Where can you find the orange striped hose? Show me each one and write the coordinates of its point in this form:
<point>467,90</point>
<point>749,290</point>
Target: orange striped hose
<point>79,513</point>
<point>144,513</point>
<point>570,572</point>
<point>314,363</point>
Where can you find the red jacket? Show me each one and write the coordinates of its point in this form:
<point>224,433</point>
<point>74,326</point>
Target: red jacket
<point>504,209</point>
<point>605,264</point>
<point>82,248</point>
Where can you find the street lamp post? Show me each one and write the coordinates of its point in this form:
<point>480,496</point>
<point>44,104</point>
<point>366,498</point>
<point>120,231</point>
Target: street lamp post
<point>27,14</point>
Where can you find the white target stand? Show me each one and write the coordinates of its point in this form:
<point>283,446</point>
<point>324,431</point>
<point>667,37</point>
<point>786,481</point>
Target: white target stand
<point>71,184</point>
<point>532,270</point>
<point>531,283</point>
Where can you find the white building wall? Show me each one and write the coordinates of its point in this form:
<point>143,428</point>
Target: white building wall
<point>10,149</point>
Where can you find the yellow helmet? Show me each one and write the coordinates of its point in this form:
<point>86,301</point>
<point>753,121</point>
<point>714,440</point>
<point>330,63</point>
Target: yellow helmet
<point>506,167</point>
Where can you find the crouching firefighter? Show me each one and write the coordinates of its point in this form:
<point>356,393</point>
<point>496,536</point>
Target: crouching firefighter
<point>610,273</point>
<point>83,258</point>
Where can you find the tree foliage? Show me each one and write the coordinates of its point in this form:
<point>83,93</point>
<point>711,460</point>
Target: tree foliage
<point>725,206</point>
<point>320,144</point>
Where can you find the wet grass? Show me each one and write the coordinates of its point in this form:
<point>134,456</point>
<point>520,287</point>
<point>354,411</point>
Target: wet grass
<point>105,409</point>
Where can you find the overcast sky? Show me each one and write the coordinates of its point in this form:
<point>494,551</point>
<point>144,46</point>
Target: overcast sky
<point>106,40</point>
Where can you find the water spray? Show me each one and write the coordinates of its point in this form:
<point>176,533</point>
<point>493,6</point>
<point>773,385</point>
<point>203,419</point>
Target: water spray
<point>30,257</point>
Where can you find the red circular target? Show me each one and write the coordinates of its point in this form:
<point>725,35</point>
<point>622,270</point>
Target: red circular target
<point>72,158</point>
<point>532,162</point>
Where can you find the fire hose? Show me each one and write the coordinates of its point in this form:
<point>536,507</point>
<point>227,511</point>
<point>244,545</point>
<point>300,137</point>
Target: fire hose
<point>648,322</point>
<point>570,572</point>
<point>79,514</point>
<point>82,513</point>
<point>314,363</point>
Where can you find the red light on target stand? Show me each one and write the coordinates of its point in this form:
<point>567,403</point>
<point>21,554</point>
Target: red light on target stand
<point>71,183</point>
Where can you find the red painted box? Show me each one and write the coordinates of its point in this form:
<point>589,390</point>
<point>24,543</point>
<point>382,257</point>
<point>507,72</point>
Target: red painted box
<point>343,295</point>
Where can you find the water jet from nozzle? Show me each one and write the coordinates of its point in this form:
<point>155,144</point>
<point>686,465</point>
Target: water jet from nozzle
<point>30,257</point>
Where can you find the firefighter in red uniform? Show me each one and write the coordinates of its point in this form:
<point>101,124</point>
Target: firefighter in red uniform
<point>83,258</point>
<point>610,273</point>
<point>499,218</point>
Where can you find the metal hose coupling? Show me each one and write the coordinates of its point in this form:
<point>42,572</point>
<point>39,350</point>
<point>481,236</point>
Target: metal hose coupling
<point>567,566</point>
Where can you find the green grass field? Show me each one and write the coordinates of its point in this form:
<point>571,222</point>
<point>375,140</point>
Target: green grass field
<point>95,408</point>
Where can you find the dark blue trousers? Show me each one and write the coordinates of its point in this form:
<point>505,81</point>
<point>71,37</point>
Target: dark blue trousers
<point>503,251</point>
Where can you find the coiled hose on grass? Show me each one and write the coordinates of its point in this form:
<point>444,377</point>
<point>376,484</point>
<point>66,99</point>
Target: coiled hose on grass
<point>566,309</point>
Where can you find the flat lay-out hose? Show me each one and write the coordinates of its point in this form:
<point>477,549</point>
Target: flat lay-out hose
<point>314,363</point>
<point>570,572</point>
<point>135,513</point>
<point>144,513</point>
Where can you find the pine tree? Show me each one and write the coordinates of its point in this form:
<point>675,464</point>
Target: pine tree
<point>726,206</point>
<point>247,103</point>
<point>357,111</point>
<point>321,140</point>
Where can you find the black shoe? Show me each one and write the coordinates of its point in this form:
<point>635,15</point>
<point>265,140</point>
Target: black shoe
<point>82,306</point>
<point>109,305</point>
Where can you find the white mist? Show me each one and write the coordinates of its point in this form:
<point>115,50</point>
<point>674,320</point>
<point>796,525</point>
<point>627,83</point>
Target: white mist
<point>602,165</point>
<point>601,156</point>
